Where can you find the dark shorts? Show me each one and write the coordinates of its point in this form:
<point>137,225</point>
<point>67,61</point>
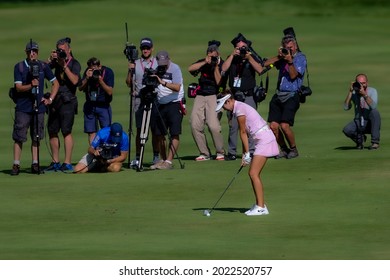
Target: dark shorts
<point>23,122</point>
<point>170,118</point>
<point>62,118</point>
<point>96,116</point>
<point>283,112</point>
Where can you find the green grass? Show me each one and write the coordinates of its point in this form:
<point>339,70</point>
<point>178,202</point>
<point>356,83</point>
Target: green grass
<point>330,203</point>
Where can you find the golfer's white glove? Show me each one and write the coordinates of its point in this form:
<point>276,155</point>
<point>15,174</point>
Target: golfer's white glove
<point>246,158</point>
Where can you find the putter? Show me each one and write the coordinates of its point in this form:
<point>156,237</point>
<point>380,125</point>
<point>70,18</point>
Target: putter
<point>207,212</point>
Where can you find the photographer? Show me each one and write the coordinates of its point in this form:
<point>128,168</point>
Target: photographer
<point>107,151</point>
<point>203,111</point>
<point>291,63</point>
<point>170,93</point>
<point>30,104</point>
<point>134,80</point>
<point>241,68</point>
<point>97,84</point>
<point>62,111</point>
<point>367,118</point>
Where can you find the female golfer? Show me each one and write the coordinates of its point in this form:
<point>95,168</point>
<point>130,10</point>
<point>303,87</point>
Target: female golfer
<point>251,124</point>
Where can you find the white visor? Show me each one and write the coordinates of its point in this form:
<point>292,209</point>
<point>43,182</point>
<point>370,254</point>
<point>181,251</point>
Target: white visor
<point>221,102</point>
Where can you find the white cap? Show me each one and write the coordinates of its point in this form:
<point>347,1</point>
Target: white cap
<point>221,101</point>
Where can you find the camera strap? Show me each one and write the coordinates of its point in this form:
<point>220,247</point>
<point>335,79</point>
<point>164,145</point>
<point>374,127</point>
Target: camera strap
<point>307,76</point>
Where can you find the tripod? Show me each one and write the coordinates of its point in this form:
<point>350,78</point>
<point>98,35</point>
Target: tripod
<point>145,131</point>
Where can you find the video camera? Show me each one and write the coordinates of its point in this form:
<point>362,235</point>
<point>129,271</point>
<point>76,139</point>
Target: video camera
<point>149,79</point>
<point>34,69</point>
<point>131,52</point>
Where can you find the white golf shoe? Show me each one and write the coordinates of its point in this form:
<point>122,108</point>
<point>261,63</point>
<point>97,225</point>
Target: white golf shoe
<point>257,211</point>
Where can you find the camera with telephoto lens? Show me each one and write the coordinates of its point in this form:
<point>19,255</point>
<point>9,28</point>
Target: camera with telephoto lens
<point>214,60</point>
<point>95,74</point>
<point>356,86</point>
<point>243,50</point>
<point>106,151</point>
<point>285,51</point>
<point>61,53</point>
<point>131,52</point>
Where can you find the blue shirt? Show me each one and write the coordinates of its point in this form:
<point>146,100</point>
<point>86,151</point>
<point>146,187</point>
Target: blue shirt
<point>103,136</point>
<point>22,75</point>
<point>286,83</point>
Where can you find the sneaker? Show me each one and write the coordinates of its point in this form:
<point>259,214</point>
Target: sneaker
<point>374,146</point>
<point>257,211</point>
<point>230,157</point>
<point>54,166</point>
<point>220,156</point>
<point>293,153</point>
<point>282,154</point>
<point>156,159</point>
<point>202,158</point>
<point>35,169</point>
<point>66,167</point>
<point>156,165</point>
<point>134,163</point>
<point>165,165</point>
<point>15,170</point>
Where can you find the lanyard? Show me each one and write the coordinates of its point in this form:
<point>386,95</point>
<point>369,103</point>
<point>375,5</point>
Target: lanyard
<point>150,61</point>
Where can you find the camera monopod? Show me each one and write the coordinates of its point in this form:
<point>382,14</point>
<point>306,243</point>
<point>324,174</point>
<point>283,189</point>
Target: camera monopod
<point>207,212</point>
<point>131,54</point>
<point>34,68</point>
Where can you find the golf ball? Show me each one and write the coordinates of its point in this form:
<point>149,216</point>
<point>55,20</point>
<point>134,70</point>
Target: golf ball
<point>208,214</point>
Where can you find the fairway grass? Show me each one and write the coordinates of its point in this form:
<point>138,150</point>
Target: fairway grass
<point>332,202</point>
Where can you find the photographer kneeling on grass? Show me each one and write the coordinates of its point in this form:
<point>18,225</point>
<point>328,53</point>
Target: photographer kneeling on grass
<point>367,118</point>
<point>107,151</point>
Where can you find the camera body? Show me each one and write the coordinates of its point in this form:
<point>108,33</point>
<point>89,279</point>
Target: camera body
<point>239,96</point>
<point>61,54</point>
<point>259,94</point>
<point>106,151</point>
<point>356,86</point>
<point>131,53</point>
<point>243,50</point>
<point>214,60</point>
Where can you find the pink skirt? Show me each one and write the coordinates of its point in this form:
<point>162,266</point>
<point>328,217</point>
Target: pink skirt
<point>265,143</point>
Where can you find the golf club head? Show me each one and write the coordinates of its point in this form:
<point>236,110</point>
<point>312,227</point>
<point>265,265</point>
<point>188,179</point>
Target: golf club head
<point>206,213</point>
